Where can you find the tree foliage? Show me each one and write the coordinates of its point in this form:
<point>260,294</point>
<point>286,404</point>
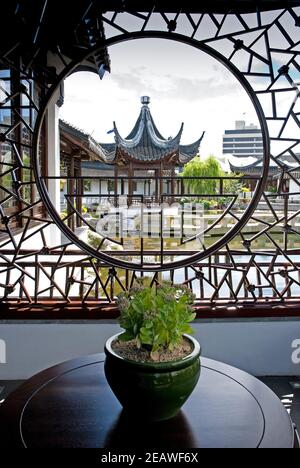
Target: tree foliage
<point>202,169</point>
<point>208,171</point>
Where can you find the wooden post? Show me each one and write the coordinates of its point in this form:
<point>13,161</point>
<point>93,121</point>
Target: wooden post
<point>173,185</point>
<point>161,183</point>
<point>116,186</point>
<point>71,189</point>
<point>130,185</point>
<point>156,185</point>
<point>79,192</point>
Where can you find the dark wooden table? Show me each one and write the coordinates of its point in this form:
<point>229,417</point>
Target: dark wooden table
<point>71,405</point>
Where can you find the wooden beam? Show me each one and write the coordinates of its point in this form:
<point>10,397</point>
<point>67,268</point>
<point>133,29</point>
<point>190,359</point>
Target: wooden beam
<point>57,310</point>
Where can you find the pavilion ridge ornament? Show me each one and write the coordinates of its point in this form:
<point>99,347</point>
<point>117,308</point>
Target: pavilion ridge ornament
<point>263,52</point>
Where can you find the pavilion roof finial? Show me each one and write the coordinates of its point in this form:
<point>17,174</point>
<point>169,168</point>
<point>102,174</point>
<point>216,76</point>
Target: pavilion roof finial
<point>145,100</point>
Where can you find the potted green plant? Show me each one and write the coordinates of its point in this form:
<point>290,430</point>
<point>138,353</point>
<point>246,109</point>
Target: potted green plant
<point>154,365</point>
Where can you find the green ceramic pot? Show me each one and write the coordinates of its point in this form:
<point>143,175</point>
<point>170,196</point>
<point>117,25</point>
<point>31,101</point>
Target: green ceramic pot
<point>152,391</point>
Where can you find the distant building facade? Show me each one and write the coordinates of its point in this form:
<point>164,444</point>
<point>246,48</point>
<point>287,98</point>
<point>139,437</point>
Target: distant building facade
<point>243,148</point>
<point>244,141</point>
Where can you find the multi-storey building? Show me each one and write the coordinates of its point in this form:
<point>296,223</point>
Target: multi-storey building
<point>243,141</point>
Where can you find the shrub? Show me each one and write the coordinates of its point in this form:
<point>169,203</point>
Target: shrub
<point>156,318</point>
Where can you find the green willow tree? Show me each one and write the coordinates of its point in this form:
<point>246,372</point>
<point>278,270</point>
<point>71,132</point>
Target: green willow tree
<point>209,167</point>
<point>208,171</point>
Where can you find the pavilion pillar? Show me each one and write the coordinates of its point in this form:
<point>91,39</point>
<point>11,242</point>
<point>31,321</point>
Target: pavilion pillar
<point>156,185</point>
<point>173,184</point>
<point>79,192</point>
<point>71,193</point>
<point>116,186</point>
<point>161,184</point>
<point>130,184</point>
<point>178,187</point>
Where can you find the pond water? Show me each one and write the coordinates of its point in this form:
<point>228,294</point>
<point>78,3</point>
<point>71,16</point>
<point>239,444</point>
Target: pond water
<point>263,245</point>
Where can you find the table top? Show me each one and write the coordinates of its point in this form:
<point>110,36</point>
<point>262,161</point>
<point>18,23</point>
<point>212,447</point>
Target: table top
<point>72,406</point>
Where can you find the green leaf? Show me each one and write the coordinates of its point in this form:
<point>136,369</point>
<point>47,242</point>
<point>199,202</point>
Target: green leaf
<point>187,329</point>
<point>146,337</point>
<point>136,307</point>
<point>157,317</point>
<point>192,317</point>
<point>149,325</point>
<point>127,336</point>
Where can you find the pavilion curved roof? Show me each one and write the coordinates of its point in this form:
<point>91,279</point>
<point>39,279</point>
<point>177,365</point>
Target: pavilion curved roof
<point>87,141</point>
<point>146,144</point>
<point>257,165</point>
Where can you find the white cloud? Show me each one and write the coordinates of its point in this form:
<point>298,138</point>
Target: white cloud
<point>185,85</point>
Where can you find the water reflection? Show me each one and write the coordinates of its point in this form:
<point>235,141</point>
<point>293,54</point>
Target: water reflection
<point>265,248</point>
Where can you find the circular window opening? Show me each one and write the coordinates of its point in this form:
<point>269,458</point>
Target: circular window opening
<point>162,162</point>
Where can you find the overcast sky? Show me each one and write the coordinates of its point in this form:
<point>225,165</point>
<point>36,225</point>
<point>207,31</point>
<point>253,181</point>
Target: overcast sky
<point>185,85</point>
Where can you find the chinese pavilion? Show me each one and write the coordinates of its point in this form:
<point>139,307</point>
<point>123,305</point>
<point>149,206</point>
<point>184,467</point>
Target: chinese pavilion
<point>289,165</point>
<point>145,151</point>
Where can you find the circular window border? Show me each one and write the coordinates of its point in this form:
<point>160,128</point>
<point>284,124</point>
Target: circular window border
<point>186,262</point>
